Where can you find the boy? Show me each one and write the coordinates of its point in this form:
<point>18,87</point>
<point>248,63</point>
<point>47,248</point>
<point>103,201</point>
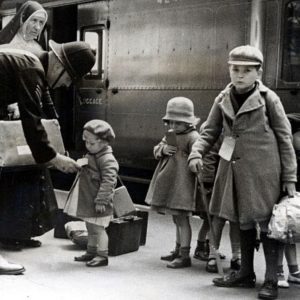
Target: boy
<point>256,160</point>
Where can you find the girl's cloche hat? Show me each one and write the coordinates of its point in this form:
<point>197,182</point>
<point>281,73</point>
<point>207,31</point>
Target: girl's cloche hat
<point>101,129</point>
<point>181,109</point>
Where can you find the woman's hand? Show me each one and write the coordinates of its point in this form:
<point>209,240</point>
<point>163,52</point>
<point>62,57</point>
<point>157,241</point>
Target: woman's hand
<point>289,187</point>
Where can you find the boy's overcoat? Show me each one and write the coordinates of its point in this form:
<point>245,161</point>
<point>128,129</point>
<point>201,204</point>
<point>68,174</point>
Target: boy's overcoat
<point>247,186</point>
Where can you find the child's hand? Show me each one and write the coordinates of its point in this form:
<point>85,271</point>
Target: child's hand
<point>100,208</point>
<point>169,150</point>
<point>289,187</point>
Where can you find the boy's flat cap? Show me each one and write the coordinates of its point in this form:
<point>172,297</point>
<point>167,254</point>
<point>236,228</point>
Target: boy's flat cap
<point>245,55</point>
<point>100,128</point>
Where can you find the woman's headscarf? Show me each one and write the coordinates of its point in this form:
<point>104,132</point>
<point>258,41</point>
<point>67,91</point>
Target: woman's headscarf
<point>26,10</point>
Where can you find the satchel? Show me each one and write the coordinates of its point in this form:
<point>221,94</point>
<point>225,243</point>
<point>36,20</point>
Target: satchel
<point>284,224</point>
<point>122,202</point>
<point>14,150</point>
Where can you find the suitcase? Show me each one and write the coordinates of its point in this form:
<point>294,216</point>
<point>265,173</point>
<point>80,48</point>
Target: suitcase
<point>14,150</point>
<point>144,215</point>
<point>124,235</point>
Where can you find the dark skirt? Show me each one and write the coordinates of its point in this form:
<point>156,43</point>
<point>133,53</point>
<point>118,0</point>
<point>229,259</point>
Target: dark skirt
<point>27,202</point>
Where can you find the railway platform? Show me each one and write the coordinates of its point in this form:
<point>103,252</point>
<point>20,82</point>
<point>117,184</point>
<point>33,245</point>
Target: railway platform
<point>51,272</point>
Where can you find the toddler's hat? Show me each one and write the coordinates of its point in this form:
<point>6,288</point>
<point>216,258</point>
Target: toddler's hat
<point>100,128</point>
<point>245,55</point>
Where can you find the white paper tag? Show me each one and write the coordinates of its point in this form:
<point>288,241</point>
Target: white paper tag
<point>227,148</point>
<point>82,161</point>
<point>23,150</point>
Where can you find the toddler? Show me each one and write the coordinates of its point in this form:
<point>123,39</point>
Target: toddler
<point>96,189</point>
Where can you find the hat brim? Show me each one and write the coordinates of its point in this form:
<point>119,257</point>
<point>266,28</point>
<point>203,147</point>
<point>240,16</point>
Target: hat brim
<point>193,120</point>
<point>243,63</point>
<point>59,53</point>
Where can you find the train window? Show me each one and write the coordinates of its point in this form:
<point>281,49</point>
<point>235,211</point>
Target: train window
<point>94,36</point>
<point>291,49</point>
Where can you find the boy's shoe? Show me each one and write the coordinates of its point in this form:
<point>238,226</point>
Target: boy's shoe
<point>282,283</point>
<point>180,262</point>
<point>269,290</point>
<point>294,277</point>
<point>235,264</point>
<point>235,280</point>
<point>171,256</point>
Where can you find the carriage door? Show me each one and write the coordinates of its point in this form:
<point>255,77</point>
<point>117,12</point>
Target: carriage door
<point>91,95</point>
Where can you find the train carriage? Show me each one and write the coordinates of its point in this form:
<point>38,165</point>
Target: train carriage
<point>151,50</point>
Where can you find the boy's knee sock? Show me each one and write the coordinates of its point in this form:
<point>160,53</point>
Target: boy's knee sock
<point>248,238</point>
<point>293,268</point>
<point>270,247</point>
<point>236,250</point>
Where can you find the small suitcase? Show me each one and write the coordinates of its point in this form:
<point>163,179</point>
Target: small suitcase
<point>144,215</point>
<point>124,235</point>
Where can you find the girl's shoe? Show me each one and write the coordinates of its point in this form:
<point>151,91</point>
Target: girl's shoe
<point>180,262</point>
<point>98,261</point>
<point>202,251</point>
<point>85,257</point>
<point>235,264</point>
<point>294,277</point>
<point>282,283</point>
<point>211,266</point>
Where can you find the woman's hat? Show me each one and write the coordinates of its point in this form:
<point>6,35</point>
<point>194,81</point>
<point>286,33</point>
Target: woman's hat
<point>100,128</point>
<point>245,55</point>
<point>77,58</point>
<point>181,109</point>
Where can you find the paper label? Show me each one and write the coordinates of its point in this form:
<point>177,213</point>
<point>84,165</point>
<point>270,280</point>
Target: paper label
<point>82,161</point>
<point>227,148</point>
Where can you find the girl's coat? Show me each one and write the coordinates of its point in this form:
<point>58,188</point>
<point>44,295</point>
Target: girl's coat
<point>173,184</point>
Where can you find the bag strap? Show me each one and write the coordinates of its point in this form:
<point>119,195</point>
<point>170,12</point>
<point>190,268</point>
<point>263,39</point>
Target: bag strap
<point>99,169</point>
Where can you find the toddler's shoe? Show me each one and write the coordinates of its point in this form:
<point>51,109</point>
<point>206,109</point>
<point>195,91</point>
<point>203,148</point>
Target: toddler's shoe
<point>171,256</point>
<point>282,283</point>
<point>85,257</point>
<point>235,264</point>
<point>294,277</point>
<point>269,290</point>
<point>98,261</point>
<point>234,279</point>
<point>180,262</point>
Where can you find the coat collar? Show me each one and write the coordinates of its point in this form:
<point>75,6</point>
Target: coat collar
<point>105,150</point>
<point>252,103</point>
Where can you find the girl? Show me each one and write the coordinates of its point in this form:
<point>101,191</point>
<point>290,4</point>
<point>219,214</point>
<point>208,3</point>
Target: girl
<point>172,187</point>
<point>96,189</point>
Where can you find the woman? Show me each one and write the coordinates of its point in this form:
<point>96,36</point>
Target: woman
<point>25,28</point>
<point>26,190</point>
